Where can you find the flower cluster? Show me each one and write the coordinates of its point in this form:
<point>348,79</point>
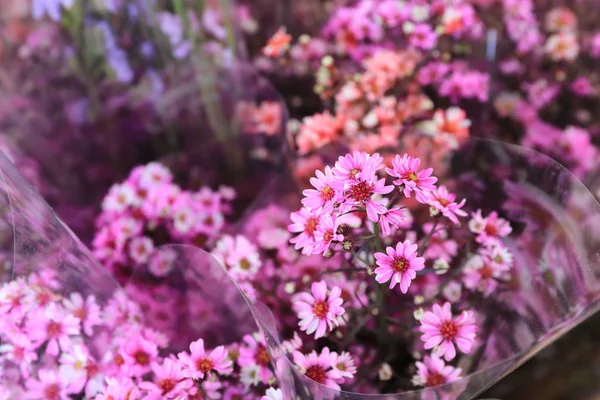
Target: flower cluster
<point>149,210</point>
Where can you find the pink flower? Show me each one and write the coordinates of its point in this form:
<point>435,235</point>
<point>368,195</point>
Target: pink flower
<point>440,329</point>
<point>560,19</point>
<point>199,363</point>
<point>410,179</point>
<point>55,327</point>
<point>169,381</point>
<point>19,349</point>
<point>268,118</point>
<point>423,37</point>
<point>433,372</point>
<point>138,354</point>
<point>318,312</point>
<point>87,311</point>
<point>327,191</point>
<point>360,194</point>
<point>50,386</point>
<point>119,389</point>
<point>153,175</point>
<point>73,367</point>
<point>483,274</point>
<point>304,222</point>
<point>358,166</point>
<point>239,255</point>
<point>319,367</point>
<point>562,46</point>
<point>452,124</point>
<point>253,351</point>
<point>489,229</point>
<point>162,262</point>
<point>395,217</point>
<point>326,234</point>
<point>582,87</point>
<point>432,73</point>
<point>444,202</point>
<point>345,365</point>
<point>439,246</point>
<point>399,265</point>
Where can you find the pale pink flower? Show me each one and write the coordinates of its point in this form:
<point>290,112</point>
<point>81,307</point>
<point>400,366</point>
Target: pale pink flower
<point>20,351</point>
<point>562,46</point>
<point>169,381</point>
<point>305,223</point>
<point>273,394</point>
<point>327,191</point>
<point>444,202</point>
<point>490,228</point>
<point>184,219</point>
<point>50,386</point>
<point>138,354</point>
<point>120,197</point>
<point>560,19</point>
<point>434,372</point>
<point>55,327</point>
<point>87,311</point>
<point>453,291</point>
<point>253,351</point>
<point>162,262</point>
<point>399,265</point>
<point>73,367</point>
<point>239,255</point>
<point>439,245</point>
<point>319,367</point>
<point>395,217</point>
<point>200,363</point>
<point>119,389</point>
<point>140,249</point>
<point>345,365</point>
<point>441,329</point>
<point>154,174</point>
<point>423,37</point>
<point>410,178</point>
<point>318,311</point>
<point>358,166</point>
<point>326,233</point>
<point>277,44</point>
<point>452,124</point>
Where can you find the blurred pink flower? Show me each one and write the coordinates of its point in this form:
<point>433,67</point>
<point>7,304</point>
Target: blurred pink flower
<point>318,311</point>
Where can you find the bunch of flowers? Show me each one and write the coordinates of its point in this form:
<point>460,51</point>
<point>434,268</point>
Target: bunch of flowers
<point>149,210</point>
<point>411,72</point>
<point>69,347</point>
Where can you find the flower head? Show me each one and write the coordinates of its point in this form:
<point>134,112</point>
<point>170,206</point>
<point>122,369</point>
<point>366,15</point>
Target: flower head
<point>410,178</point>
<point>441,329</point>
<point>399,265</point>
<point>319,367</point>
<point>199,363</point>
<point>318,311</point>
<point>433,372</point>
<point>443,201</point>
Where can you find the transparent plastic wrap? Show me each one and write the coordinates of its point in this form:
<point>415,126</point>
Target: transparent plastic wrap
<point>552,288</point>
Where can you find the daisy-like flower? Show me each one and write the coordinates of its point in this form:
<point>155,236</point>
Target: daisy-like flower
<point>162,263</point>
<point>434,372</point>
<point>253,351</point>
<point>392,217</point>
<point>399,265</point>
<point>490,228</point>
<point>168,381</point>
<point>273,394</point>
<point>452,124</point>
<point>154,174</point>
<point>50,386</point>
<point>410,179</point>
<point>199,363</point>
<point>250,375</point>
<point>443,201</point>
<point>55,327</point>
<point>358,166</point>
<point>268,117</point>
<point>344,364</point>
<point>326,233</point>
<point>138,354</point>
<point>360,194</point>
<point>441,329</point>
<point>240,256</point>
<point>319,367</point>
<point>326,192</point>
<point>73,367</point>
<point>19,350</point>
<point>122,388</point>
<point>305,223</point>
<point>140,249</point>
<point>120,197</point>
<point>318,311</point>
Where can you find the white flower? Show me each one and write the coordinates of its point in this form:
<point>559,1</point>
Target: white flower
<point>273,394</point>
<point>250,375</point>
<point>385,372</point>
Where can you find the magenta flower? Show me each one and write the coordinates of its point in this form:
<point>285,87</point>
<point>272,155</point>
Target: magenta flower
<point>360,195</point>
<point>399,265</point>
<point>392,217</point>
<point>319,367</point>
<point>357,166</point>
<point>50,386</point>
<point>444,202</point>
<point>434,372</point>
<point>327,191</point>
<point>423,37</point>
<point>326,234</point>
<point>490,228</point>
<point>138,354</point>
<point>318,312</point>
<point>410,179</point>
<point>55,327</point>
<point>168,381</point>
<point>440,329</point>
<point>305,223</point>
<point>199,363</point>
<point>253,352</point>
